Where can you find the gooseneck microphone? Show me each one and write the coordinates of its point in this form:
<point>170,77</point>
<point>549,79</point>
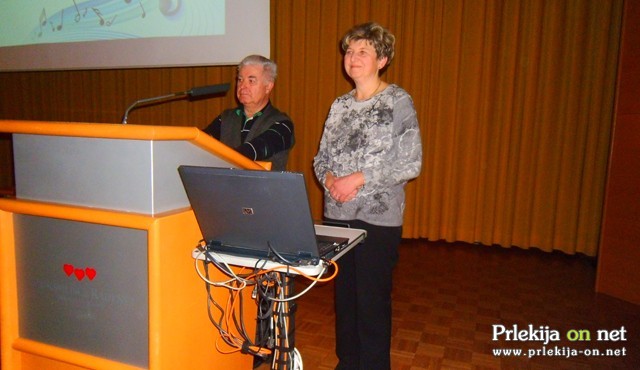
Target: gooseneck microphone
<point>196,92</point>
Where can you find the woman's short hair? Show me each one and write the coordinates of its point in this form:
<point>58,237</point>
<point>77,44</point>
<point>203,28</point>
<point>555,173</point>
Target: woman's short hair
<point>380,38</point>
<point>269,66</point>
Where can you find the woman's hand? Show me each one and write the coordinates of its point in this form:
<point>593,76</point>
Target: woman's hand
<point>345,188</point>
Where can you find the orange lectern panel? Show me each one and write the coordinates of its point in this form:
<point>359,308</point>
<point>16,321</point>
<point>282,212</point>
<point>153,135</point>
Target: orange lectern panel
<point>88,287</point>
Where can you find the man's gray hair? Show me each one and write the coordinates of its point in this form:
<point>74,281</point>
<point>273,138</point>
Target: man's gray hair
<point>269,66</point>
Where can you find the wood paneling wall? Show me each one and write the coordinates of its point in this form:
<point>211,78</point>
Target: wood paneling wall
<point>514,100</point>
<point>619,255</point>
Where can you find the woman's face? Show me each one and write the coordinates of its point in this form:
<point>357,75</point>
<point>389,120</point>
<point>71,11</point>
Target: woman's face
<point>361,60</point>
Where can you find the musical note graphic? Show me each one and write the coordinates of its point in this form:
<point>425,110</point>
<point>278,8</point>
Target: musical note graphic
<point>99,14</point>
<point>102,21</point>
<point>58,27</point>
<point>78,16</point>
<point>43,21</point>
<point>144,14</point>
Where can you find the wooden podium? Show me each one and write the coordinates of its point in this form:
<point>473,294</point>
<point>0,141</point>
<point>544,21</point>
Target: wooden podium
<point>95,250</point>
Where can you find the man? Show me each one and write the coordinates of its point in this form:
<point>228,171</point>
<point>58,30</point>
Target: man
<point>256,129</point>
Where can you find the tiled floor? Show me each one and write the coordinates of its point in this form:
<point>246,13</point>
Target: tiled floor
<point>448,298</point>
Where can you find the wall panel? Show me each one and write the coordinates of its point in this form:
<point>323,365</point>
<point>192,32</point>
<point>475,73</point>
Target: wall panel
<point>618,257</point>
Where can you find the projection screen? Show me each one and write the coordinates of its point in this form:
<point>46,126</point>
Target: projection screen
<point>107,34</point>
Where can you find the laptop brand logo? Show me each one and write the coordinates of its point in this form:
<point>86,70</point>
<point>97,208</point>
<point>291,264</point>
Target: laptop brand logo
<point>247,211</point>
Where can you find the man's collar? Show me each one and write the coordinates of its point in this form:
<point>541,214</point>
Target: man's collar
<point>240,110</point>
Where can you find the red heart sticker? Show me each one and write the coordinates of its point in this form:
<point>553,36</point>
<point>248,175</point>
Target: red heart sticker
<point>79,274</point>
<point>68,269</point>
<point>91,272</point>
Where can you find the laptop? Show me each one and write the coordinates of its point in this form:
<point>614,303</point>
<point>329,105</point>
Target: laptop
<point>259,214</point>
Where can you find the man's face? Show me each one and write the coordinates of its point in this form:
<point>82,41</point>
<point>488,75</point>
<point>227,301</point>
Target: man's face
<point>252,88</point>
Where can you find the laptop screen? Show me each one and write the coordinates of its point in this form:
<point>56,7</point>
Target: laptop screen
<point>260,214</point>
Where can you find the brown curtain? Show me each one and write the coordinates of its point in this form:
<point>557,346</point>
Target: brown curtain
<point>514,98</point>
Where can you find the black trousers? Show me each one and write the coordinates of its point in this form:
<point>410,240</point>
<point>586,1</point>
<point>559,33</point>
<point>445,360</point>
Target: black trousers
<point>363,299</point>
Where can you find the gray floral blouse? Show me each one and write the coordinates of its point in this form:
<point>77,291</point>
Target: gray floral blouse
<point>379,137</point>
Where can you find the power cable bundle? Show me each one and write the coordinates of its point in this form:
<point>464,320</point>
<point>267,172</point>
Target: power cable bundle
<point>272,290</point>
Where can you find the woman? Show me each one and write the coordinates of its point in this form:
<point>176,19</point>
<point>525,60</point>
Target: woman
<point>370,148</point>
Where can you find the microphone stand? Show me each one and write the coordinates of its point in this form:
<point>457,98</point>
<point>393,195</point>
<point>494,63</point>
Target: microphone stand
<point>150,100</point>
<point>195,92</point>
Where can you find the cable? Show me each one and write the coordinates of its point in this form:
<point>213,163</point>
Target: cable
<point>297,360</point>
<point>223,324</point>
<point>302,273</point>
<point>272,290</point>
<point>285,261</point>
<point>226,283</point>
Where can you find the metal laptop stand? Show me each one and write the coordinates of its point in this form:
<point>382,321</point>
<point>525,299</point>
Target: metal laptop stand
<point>284,357</point>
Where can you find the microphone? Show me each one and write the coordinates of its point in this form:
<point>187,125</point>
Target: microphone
<point>196,92</point>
